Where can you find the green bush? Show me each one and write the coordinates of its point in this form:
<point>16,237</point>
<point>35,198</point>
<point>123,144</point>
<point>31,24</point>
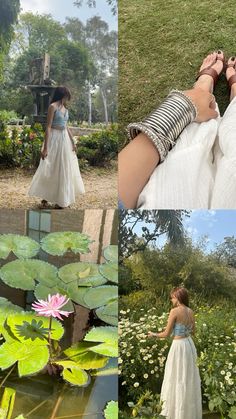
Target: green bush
<point>20,148</point>
<point>6,116</point>
<point>99,148</point>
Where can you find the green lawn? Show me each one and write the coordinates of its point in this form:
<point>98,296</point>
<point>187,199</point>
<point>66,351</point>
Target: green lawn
<point>161,46</point>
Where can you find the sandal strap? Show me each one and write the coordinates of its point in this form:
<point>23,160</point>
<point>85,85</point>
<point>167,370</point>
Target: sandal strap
<point>210,72</point>
<point>232,80</point>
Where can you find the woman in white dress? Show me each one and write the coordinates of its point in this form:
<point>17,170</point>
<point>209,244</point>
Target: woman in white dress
<point>58,179</point>
<point>181,387</point>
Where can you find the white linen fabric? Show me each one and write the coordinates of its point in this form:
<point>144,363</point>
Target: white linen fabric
<point>200,171</point>
<point>181,387</point>
<point>58,179</point>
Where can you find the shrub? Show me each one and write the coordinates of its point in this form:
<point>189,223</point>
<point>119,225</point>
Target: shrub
<point>6,116</point>
<point>99,148</point>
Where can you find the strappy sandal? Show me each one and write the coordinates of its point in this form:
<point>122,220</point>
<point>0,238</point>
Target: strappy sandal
<point>211,71</point>
<point>232,79</point>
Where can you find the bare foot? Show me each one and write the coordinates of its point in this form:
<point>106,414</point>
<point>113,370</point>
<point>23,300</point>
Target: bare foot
<point>214,61</point>
<point>231,71</point>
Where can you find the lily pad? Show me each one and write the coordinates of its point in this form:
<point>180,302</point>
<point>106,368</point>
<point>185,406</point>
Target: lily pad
<point>99,296</point>
<point>77,294</point>
<point>85,274</point>
<point>109,313</point>
<point>111,253</point>
<point>109,271</point>
<point>23,274</point>
<point>111,411</point>
<point>19,319</point>
<point>21,246</point>
<point>31,359</point>
<point>76,376</point>
<point>59,243</point>
<point>78,349</point>
<point>108,336</point>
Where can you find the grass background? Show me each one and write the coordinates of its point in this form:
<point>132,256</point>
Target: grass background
<point>161,46</point>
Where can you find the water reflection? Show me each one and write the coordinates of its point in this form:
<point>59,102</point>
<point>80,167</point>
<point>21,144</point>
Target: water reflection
<point>67,402</point>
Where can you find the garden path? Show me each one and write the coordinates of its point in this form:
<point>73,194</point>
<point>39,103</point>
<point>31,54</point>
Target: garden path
<point>100,186</point>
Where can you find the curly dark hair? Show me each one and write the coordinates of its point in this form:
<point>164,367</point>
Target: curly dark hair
<point>60,93</point>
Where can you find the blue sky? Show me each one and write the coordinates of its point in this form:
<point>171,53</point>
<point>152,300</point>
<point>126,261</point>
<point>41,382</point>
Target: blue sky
<point>216,224</point>
<point>60,9</point>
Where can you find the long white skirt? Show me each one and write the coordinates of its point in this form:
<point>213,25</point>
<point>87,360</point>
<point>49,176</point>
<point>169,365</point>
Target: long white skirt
<point>181,387</point>
<point>58,179</point>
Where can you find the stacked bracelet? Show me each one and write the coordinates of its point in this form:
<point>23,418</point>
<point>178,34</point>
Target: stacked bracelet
<point>166,123</point>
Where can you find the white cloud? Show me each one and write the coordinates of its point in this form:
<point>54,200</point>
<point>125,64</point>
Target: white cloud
<point>40,6</point>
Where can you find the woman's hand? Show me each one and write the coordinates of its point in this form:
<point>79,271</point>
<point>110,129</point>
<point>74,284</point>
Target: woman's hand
<point>204,102</point>
<point>44,153</point>
<point>151,334</point>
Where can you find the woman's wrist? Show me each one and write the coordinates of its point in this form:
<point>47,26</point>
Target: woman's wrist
<point>166,123</point>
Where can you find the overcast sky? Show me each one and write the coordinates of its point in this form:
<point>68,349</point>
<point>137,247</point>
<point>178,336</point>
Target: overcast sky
<point>60,9</point>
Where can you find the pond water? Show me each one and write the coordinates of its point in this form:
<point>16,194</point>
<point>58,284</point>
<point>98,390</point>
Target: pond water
<point>48,397</point>
<point>43,397</point>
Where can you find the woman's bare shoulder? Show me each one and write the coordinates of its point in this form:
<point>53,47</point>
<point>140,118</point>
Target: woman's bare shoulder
<point>52,106</point>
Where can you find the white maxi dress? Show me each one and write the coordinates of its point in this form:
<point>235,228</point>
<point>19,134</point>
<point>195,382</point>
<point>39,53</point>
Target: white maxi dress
<point>181,387</point>
<point>58,179</point>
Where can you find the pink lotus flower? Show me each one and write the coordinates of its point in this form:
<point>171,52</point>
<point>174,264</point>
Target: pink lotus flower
<point>52,306</point>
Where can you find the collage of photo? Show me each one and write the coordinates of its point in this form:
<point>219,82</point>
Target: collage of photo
<point>117,209</point>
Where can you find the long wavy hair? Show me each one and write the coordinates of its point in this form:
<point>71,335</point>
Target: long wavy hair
<point>60,93</point>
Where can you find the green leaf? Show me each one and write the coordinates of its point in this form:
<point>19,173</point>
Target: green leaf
<point>59,243</point>
<point>84,273</point>
<point>90,360</point>
<point>99,296</point>
<point>7,402</point>
<point>111,411</point>
<point>18,319</point>
<point>78,349</point>
<point>111,253</point>
<point>21,246</point>
<point>109,271</point>
<point>20,417</point>
<point>105,372</point>
<point>6,307</point>
<point>77,294</point>
<point>76,376</point>
<point>113,320</point>
<point>33,360</point>
<point>8,354</point>
<point>108,336</point>
<point>23,274</point>
<point>109,313</point>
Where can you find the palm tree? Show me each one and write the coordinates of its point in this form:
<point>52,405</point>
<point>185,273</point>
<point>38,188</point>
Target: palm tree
<point>153,224</point>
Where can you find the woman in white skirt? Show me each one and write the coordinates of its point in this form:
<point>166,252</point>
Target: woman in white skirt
<point>58,179</point>
<point>181,387</point>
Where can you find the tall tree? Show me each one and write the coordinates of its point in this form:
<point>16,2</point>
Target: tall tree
<point>154,223</point>
<point>9,10</point>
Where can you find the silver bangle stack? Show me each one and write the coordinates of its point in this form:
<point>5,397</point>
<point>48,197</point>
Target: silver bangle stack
<point>166,123</point>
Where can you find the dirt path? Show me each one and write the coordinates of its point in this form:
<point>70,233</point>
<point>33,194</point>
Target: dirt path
<point>100,186</point>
